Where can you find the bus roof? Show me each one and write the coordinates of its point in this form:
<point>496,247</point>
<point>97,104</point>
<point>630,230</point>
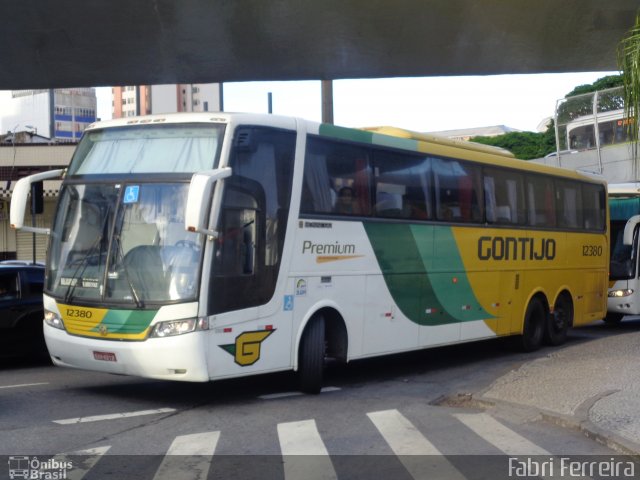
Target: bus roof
<point>196,117</point>
<point>431,138</point>
<point>630,189</point>
<point>384,136</point>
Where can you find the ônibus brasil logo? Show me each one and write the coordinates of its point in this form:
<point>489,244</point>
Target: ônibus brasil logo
<point>31,468</point>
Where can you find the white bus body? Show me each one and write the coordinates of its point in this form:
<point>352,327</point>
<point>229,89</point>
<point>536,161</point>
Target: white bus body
<point>198,247</point>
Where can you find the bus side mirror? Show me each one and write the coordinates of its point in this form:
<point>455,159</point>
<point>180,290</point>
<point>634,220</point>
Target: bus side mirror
<point>19,197</point>
<point>196,217</point>
<point>629,228</point>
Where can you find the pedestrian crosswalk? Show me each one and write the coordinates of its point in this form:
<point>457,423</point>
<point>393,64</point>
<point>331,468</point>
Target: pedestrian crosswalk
<point>306,455</point>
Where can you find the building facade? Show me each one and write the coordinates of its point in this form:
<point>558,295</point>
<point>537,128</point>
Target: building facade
<point>130,101</point>
<point>17,161</point>
<point>58,114</point>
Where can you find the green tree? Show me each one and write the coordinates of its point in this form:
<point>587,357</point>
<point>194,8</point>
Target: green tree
<point>523,145</point>
<point>603,83</point>
<point>629,64</point>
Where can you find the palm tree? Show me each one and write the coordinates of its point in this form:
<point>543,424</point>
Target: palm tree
<point>629,63</point>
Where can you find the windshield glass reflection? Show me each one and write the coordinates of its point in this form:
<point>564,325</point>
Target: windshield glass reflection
<point>123,244</point>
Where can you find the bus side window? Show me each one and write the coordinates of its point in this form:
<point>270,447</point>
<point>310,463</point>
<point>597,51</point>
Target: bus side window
<point>333,168</point>
<point>504,196</point>
<point>569,204</point>
<point>593,207</point>
<point>541,202</point>
<point>458,188</point>
<point>402,185</point>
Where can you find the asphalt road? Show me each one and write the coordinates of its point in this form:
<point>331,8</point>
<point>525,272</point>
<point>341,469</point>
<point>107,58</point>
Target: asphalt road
<point>427,413</point>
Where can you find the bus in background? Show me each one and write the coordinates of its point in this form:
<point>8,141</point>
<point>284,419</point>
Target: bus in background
<point>592,134</point>
<point>624,275</point>
<point>207,246</point>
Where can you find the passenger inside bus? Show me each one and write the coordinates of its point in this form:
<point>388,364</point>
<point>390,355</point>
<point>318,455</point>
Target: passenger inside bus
<point>346,202</point>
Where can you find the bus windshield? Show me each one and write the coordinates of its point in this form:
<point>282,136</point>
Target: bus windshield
<point>149,148</point>
<point>623,257</point>
<point>123,243</point>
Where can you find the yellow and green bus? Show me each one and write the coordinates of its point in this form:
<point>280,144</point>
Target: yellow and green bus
<point>198,247</point>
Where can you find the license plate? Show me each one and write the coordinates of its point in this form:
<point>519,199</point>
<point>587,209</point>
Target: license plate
<point>105,356</point>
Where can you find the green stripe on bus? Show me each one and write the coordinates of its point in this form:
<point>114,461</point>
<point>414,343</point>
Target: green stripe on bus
<point>127,321</point>
<point>395,142</point>
<point>453,296</point>
<point>342,133</point>
<point>404,254</point>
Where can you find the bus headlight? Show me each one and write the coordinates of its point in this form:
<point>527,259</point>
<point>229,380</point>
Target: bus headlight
<point>179,327</point>
<point>53,319</point>
<point>620,293</point>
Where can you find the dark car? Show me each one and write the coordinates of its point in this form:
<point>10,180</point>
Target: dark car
<point>21,310</point>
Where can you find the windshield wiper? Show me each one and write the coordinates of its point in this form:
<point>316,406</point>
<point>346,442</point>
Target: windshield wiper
<point>134,293</point>
<point>82,264</point>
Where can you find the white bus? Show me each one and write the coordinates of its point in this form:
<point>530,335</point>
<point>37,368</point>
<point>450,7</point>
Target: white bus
<point>624,274</point>
<point>206,246</point>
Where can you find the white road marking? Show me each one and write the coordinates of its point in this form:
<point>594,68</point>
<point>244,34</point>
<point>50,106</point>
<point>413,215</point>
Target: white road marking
<point>498,435</point>
<point>418,455</point>
<point>509,442</point>
<point>189,456</point>
<point>113,416</point>
<point>80,461</point>
<point>304,455</point>
<point>274,396</point>
<point>24,385</point>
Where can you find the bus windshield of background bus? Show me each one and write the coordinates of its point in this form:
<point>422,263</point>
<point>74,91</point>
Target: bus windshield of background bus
<point>123,243</point>
<point>175,148</point>
<point>623,257</point>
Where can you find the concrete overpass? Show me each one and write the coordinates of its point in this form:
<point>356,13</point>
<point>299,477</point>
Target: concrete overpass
<point>122,42</point>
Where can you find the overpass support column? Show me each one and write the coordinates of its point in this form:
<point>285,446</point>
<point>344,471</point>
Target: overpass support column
<point>327,101</point>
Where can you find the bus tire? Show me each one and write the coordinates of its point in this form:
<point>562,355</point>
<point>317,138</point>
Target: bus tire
<point>311,356</point>
<point>613,318</point>
<point>558,322</point>
<point>535,319</point>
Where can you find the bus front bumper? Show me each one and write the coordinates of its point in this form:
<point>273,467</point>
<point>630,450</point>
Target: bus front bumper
<point>181,357</point>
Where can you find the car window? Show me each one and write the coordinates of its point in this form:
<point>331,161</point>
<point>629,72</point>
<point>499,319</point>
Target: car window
<point>8,285</point>
<point>36,281</point>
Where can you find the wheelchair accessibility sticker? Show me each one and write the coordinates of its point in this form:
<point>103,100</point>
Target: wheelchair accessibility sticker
<point>131,194</point>
<point>288,303</point>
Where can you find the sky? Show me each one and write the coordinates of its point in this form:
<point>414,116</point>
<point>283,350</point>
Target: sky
<point>425,104</point>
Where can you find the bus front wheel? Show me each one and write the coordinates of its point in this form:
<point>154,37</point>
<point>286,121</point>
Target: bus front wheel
<point>559,321</point>
<point>534,326</point>
<point>311,356</point>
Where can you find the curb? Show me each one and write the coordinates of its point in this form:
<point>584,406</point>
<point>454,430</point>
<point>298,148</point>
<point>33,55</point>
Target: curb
<point>579,421</point>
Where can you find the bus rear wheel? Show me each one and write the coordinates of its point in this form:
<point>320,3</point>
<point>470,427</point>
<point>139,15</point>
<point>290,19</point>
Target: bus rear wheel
<point>311,356</point>
<point>535,319</point>
<point>559,321</point>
